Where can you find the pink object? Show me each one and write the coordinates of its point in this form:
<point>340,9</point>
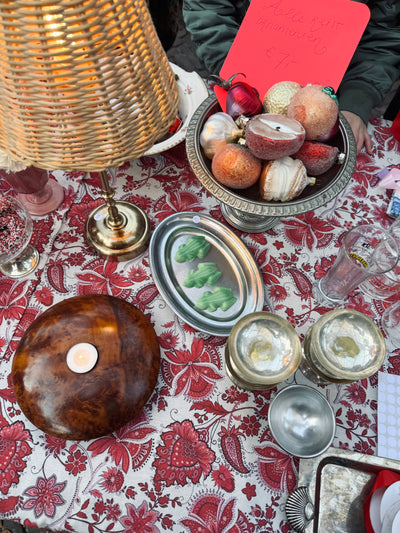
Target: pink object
<point>311,42</point>
<point>39,194</point>
<point>272,136</point>
<point>12,227</point>
<point>391,180</point>
<point>396,127</point>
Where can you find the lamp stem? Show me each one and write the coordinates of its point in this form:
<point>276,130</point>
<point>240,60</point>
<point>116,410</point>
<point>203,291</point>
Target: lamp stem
<point>115,220</point>
<point>117,230</point>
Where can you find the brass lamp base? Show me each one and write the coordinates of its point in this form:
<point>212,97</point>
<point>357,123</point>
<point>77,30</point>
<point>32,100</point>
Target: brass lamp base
<point>117,231</point>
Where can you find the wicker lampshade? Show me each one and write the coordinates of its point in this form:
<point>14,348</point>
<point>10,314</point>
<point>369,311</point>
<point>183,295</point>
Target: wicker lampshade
<point>84,84</point>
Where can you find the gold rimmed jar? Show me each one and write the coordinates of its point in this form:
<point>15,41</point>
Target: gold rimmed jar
<point>341,347</point>
<point>262,350</point>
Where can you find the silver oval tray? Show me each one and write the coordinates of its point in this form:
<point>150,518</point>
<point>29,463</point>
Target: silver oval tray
<point>238,267</point>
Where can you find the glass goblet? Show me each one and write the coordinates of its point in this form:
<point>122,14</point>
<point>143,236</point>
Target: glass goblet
<point>391,323</point>
<point>387,284</point>
<point>18,257</point>
<point>39,194</point>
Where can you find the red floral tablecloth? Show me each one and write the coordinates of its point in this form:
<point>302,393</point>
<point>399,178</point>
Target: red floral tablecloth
<point>200,456</point>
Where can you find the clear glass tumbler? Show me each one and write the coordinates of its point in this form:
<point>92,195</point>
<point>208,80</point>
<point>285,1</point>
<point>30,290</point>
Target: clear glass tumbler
<point>18,257</point>
<point>387,284</point>
<point>367,250</point>
<point>391,323</point>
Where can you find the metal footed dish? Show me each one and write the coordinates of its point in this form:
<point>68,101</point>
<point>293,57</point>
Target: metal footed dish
<point>238,273</point>
<point>245,209</point>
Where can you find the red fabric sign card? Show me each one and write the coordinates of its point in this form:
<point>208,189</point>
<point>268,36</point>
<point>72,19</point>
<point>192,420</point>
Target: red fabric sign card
<point>311,41</point>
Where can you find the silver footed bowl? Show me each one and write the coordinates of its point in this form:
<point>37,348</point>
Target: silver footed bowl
<point>245,209</point>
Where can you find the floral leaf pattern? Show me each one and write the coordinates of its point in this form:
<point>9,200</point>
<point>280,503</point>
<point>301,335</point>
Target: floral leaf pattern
<point>200,456</point>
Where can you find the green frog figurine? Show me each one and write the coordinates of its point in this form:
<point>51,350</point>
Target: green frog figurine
<point>196,246</point>
<point>206,273</point>
<point>221,297</point>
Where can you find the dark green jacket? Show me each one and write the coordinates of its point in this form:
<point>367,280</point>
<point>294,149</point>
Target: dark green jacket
<point>374,68</point>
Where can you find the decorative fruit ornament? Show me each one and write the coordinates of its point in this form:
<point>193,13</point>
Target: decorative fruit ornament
<point>316,108</point>
<point>241,98</point>
<point>318,157</point>
<point>219,129</point>
<point>272,136</point>
<point>234,166</point>
<point>277,98</point>
<point>283,179</point>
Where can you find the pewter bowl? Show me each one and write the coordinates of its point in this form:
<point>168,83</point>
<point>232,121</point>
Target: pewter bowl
<point>245,209</point>
<point>301,421</point>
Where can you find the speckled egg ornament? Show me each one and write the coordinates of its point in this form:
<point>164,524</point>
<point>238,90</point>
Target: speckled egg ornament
<point>277,98</point>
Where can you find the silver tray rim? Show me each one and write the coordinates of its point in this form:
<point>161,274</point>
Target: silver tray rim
<point>169,228</point>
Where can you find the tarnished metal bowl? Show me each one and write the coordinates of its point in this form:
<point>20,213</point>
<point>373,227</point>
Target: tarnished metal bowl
<point>245,209</point>
<point>301,421</point>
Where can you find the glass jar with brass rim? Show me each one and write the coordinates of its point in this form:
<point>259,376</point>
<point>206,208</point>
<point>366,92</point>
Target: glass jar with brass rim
<point>341,347</point>
<point>262,350</point>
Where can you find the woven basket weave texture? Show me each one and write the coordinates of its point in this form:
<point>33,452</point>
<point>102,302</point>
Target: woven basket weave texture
<point>84,84</point>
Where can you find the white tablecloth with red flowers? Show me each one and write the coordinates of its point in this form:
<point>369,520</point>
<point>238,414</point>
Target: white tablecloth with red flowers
<point>200,456</point>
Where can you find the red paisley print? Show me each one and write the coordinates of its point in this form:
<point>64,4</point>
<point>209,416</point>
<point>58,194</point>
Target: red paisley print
<point>232,449</point>
<point>309,230</point>
<point>224,479</point>
<point>103,278</point>
<point>183,456</point>
<point>277,469</point>
<point>139,519</point>
<point>13,299</point>
<point>176,202</point>
<point>9,504</point>
<point>126,446</point>
<point>212,514</point>
<point>192,372</point>
<point>13,448</point>
<point>200,456</point>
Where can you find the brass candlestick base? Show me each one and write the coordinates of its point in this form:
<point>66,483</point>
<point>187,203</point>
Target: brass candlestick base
<point>117,231</point>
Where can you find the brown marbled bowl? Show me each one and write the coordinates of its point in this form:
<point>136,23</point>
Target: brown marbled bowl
<point>75,406</point>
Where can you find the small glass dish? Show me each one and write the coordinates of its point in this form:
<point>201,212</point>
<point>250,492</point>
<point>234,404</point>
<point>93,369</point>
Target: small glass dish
<point>18,258</point>
<point>262,350</point>
<point>343,346</point>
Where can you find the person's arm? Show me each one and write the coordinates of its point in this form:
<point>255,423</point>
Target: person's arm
<point>212,25</point>
<point>373,69</point>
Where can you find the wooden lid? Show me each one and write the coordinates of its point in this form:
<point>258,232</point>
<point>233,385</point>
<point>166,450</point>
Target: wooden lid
<point>76,406</point>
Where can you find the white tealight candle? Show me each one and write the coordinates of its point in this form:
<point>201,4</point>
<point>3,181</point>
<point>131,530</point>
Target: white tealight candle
<point>82,357</point>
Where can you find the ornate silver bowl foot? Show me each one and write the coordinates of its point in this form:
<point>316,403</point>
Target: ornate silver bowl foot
<point>246,221</point>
